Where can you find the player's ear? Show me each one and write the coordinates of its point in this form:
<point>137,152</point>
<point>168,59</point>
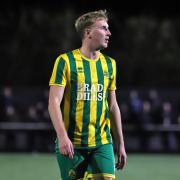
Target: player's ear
<point>87,33</point>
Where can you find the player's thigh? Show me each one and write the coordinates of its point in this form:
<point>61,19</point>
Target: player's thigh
<point>71,168</point>
<point>102,163</point>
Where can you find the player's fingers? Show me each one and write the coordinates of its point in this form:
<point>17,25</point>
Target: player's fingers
<point>64,150</point>
<point>119,166</point>
<point>125,160</point>
<point>118,162</point>
<point>121,162</point>
<point>71,152</point>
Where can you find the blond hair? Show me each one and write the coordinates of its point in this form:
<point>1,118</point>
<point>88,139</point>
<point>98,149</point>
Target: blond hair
<point>88,19</point>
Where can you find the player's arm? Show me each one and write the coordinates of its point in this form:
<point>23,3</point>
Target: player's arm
<point>55,97</point>
<point>116,126</point>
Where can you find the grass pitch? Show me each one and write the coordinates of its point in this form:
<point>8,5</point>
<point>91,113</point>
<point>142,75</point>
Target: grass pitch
<point>44,167</point>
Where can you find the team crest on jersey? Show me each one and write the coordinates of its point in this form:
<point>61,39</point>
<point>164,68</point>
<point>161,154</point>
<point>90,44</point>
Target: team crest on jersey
<point>80,70</point>
<point>106,74</point>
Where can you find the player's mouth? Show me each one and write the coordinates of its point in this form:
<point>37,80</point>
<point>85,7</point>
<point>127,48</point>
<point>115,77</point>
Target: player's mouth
<point>107,40</point>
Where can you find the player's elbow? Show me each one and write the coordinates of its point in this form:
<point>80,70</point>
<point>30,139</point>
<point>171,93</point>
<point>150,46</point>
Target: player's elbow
<point>112,107</point>
<point>51,104</point>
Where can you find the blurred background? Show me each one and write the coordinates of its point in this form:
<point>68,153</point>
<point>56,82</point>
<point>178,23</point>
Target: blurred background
<point>145,42</point>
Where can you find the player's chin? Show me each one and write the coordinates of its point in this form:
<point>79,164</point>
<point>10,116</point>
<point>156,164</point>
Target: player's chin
<point>102,46</point>
<point>105,45</point>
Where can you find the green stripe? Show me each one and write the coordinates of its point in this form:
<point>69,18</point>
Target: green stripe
<point>100,76</point>
<point>106,128</point>
<point>59,72</point>
<point>86,110</point>
<point>109,65</point>
<point>110,71</point>
<point>73,95</point>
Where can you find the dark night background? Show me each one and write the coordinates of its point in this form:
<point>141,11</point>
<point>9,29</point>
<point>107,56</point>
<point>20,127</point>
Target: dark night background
<point>145,40</point>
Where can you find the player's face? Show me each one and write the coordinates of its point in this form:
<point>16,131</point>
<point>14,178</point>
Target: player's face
<point>100,34</point>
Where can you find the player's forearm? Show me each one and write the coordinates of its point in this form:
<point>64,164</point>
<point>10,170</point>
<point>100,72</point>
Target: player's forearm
<point>116,123</point>
<point>56,118</point>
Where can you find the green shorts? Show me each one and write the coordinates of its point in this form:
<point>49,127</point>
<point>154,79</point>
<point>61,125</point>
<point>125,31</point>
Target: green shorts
<point>87,163</point>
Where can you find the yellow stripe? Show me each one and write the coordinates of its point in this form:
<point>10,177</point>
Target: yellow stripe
<point>80,103</point>
<point>93,104</point>
<point>102,120</point>
<point>108,123</point>
<point>66,94</point>
<point>53,76</point>
<point>55,84</point>
<point>100,175</point>
<point>114,72</point>
<point>113,83</point>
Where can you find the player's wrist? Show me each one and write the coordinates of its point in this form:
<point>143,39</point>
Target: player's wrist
<point>121,142</point>
<point>62,135</point>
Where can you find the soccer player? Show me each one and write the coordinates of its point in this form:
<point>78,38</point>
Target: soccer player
<point>86,80</point>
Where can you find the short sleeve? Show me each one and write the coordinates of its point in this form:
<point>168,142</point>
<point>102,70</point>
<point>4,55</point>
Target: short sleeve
<point>113,76</point>
<point>58,76</point>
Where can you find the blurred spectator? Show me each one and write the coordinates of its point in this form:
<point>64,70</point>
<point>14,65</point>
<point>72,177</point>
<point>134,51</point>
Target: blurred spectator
<point>178,119</point>
<point>32,115</point>
<point>156,103</point>
<point>2,106</point>
<point>3,137</point>
<point>11,113</point>
<point>170,139</point>
<point>125,113</point>
<point>38,111</point>
<point>135,106</point>
<point>42,106</point>
<point>8,96</point>
<point>146,117</point>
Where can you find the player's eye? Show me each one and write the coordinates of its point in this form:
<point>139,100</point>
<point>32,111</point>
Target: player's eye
<point>105,28</point>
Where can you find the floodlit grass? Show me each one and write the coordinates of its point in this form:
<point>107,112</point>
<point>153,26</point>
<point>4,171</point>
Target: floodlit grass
<point>151,167</point>
<point>44,167</point>
<point>28,167</point>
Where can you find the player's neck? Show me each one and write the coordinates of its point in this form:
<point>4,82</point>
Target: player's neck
<point>91,54</point>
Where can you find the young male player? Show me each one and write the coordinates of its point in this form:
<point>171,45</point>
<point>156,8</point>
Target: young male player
<point>87,80</point>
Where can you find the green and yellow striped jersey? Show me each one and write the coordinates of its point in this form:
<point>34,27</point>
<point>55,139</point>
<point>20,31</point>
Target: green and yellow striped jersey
<point>85,108</point>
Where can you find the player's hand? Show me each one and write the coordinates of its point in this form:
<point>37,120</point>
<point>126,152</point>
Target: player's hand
<point>121,157</point>
<point>66,147</point>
